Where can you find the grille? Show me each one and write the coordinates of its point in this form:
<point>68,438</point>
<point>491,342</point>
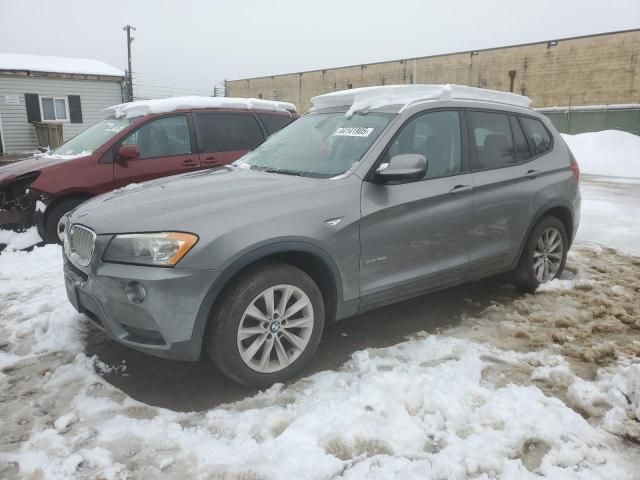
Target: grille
<point>81,242</point>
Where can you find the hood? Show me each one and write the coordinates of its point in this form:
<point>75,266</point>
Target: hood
<point>11,170</point>
<point>176,203</point>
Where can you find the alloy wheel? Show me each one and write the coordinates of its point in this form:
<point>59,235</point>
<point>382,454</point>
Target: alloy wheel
<point>275,328</point>
<point>547,256</point>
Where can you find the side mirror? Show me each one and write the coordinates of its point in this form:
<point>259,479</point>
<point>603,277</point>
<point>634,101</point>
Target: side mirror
<point>128,152</point>
<point>406,167</point>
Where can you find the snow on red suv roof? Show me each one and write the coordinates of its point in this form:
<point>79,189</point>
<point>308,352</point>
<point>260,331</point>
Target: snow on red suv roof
<point>164,105</point>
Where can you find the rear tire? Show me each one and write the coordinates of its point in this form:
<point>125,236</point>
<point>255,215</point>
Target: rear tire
<point>52,232</point>
<point>544,255</point>
<point>267,325</point>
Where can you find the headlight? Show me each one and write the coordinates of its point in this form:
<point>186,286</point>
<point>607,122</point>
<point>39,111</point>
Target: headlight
<point>161,249</point>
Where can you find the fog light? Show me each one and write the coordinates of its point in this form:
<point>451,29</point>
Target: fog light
<point>135,292</point>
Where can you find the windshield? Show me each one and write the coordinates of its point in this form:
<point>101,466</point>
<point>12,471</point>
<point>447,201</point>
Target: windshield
<point>92,138</point>
<point>320,145</point>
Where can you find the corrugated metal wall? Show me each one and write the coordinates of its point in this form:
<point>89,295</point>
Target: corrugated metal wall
<point>20,135</point>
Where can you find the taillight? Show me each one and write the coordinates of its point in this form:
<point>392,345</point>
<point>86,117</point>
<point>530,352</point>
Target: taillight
<point>575,168</point>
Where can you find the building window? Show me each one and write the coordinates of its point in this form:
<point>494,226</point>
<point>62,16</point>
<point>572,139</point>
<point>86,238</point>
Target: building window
<point>54,109</point>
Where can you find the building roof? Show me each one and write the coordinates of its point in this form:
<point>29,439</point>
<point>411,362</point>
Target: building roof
<point>371,98</point>
<point>47,64</point>
<point>144,107</point>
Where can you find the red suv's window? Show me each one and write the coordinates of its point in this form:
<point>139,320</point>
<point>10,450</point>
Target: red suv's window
<point>273,123</point>
<point>164,137</point>
<point>227,132</point>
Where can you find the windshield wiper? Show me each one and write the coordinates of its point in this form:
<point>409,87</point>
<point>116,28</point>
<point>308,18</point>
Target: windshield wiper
<point>283,172</point>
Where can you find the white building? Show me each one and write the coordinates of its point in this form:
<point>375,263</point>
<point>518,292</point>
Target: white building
<point>69,92</point>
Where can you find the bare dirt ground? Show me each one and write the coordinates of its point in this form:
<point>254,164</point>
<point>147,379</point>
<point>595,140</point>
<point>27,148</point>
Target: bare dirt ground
<point>591,318</point>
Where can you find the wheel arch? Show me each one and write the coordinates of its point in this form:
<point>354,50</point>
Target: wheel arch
<point>560,210</point>
<point>308,257</point>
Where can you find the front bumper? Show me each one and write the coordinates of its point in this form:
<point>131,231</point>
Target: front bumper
<point>167,323</point>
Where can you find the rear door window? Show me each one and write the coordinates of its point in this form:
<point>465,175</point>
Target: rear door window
<point>227,132</point>
<point>274,123</point>
<point>539,136</point>
<point>491,140</point>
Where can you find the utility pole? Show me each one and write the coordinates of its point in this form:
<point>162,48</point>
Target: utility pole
<point>128,28</point>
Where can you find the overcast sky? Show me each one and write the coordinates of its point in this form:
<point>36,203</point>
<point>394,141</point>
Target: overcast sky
<point>191,44</point>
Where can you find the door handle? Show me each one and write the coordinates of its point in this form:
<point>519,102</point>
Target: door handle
<point>461,189</point>
<point>189,163</point>
<point>532,173</point>
<point>212,161</point>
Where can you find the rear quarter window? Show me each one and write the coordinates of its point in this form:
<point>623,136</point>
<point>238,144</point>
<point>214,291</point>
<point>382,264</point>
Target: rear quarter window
<point>539,137</point>
<point>274,123</point>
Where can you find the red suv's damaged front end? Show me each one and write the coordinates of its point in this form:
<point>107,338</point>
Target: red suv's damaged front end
<point>23,184</point>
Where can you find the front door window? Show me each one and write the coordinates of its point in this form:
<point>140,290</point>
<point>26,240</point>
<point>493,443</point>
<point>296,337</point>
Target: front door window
<point>164,137</point>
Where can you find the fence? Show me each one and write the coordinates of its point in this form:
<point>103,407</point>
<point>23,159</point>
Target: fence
<point>593,118</point>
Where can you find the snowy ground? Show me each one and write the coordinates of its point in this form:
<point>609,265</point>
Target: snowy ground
<point>543,385</point>
<point>546,384</point>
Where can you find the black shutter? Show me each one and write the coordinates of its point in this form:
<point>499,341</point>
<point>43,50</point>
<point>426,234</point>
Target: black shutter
<point>33,107</point>
<point>75,109</point>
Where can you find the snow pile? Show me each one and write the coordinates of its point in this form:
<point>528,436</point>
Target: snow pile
<point>616,395</point>
<point>19,240</point>
<point>145,107</point>
<point>430,407</point>
<point>611,153</point>
<point>370,98</point>
<point>43,63</point>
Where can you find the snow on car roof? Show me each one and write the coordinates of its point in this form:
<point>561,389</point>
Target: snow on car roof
<point>370,98</point>
<point>144,107</point>
<point>43,63</point>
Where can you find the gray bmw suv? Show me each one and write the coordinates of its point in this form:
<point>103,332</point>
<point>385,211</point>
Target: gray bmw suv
<point>376,195</point>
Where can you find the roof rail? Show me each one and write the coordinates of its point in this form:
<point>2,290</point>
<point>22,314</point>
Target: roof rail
<point>370,98</point>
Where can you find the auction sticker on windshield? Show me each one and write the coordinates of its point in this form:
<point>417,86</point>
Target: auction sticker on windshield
<point>353,132</point>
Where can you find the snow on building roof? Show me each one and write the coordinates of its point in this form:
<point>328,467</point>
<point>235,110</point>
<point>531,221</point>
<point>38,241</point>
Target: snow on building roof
<point>144,107</point>
<point>370,98</point>
<point>42,63</point>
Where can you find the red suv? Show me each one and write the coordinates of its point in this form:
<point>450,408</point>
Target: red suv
<point>140,141</point>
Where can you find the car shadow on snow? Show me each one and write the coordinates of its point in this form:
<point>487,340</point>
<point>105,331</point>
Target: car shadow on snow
<point>196,386</point>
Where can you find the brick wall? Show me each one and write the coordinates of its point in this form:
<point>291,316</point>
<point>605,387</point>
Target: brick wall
<point>599,69</point>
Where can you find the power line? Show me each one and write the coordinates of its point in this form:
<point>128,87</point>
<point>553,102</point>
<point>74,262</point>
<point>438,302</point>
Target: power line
<point>171,89</point>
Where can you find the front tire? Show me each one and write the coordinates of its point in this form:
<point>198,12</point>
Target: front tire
<point>53,227</point>
<point>544,255</point>
<point>267,326</point>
